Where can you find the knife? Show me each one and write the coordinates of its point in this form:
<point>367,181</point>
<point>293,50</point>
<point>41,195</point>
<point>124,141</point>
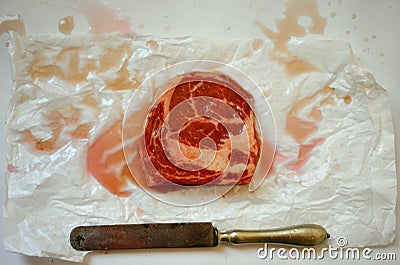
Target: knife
<point>184,235</point>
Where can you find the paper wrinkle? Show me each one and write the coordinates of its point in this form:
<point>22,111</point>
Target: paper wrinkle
<point>348,185</point>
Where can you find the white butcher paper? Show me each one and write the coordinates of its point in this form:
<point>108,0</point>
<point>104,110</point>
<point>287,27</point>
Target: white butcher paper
<point>348,185</point>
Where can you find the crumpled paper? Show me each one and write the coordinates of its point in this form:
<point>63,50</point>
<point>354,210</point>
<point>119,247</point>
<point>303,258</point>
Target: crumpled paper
<point>347,183</point>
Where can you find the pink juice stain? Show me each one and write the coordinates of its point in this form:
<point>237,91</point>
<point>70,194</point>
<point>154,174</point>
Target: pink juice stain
<point>102,18</point>
<point>304,155</point>
<point>302,129</point>
<point>12,169</point>
<point>295,165</point>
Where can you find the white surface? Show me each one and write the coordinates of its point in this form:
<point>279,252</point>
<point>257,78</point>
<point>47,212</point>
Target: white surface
<point>215,19</point>
<point>53,191</point>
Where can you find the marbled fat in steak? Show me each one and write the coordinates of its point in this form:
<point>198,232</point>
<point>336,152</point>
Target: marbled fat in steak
<point>191,129</point>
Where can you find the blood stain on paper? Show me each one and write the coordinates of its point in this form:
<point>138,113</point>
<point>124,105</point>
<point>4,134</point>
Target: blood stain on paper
<point>304,116</point>
<point>118,58</point>
<point>304,153</point>
<point>152,44</point>
<point>301,124</point>
<point>70,65</point>
<point>353,16</point>
<point>106,161</point>
<point>257,44</point>
<point>333,14</point>
<point>66,25</point>
<point>12,169</point>
<point>64,121</point>
<point>64,63</point>
<point>295,164</point>
<point>288,27</point>
<point>139,212</point>
<point>347,99</point>
<point>12,23</point>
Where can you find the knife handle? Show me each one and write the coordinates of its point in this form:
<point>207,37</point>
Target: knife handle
<point>301,235</point>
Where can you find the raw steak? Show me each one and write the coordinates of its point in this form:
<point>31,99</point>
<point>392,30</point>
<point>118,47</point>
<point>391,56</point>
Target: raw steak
<point>201,130</point>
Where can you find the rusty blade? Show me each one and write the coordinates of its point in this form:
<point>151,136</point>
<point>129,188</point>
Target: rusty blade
<point>138,236</point>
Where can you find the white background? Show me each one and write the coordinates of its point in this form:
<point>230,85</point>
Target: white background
<point>221,19</point>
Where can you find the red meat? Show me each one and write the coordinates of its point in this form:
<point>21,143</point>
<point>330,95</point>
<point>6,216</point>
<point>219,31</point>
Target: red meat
<point>201,130</point>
